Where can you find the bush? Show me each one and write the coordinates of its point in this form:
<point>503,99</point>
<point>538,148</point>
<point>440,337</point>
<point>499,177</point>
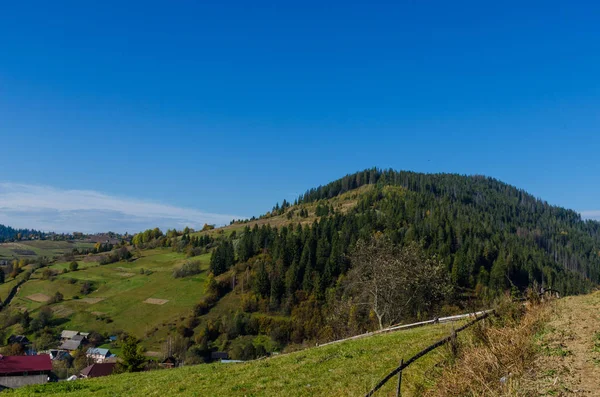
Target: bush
<point>58,297</point>
<point>73,266</point>
<point>189,268</point>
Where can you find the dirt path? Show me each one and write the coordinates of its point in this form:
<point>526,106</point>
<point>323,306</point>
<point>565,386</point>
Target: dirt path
<point>569,362</point>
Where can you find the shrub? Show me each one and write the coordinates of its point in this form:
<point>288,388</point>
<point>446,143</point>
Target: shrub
<point>189,268</point>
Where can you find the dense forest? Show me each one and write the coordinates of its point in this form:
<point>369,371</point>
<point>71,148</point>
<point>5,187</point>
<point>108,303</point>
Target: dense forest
<point>297,281</point>
<point>8,233</point>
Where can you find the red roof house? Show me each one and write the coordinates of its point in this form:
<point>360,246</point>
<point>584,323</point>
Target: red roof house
<point>97,370</point>
<point>16,371</point>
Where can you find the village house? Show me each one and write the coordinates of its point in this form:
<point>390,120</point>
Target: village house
<point>169,362</point>
<point>19,339</point>
<point>66,335</point>
<point>58,354</point>
<point>70,345</point>
<point>97,370</point>
<point>17,371</point>
<point>98,355</point>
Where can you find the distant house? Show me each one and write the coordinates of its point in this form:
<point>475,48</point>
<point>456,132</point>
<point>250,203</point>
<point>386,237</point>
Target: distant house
<point>97,370</point>
<point>70,345</point>
<point>59,354</point>
<point>169,362</point>
<point>18,339</point>
<point>82,339</point>
<point>66,335</point>
<point>98,355</point>
<point>17,371</point>
<point>219,356</point>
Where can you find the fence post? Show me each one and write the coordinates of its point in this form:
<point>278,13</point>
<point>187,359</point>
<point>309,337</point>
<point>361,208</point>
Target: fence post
<point>398,388</point>
<point>453,345</point>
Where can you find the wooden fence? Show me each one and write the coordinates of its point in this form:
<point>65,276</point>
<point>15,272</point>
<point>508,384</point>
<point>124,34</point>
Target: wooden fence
<point>404,364</point>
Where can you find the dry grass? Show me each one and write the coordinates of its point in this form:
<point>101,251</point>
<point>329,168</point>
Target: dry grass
<point>154,301</point>
<point>492,357</point>
<point>38,297</point>
<point>91,301</point>
<point>568,360</point>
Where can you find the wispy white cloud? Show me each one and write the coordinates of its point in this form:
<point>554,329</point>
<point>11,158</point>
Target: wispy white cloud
<point>593,214</point>
<point>51,209</point>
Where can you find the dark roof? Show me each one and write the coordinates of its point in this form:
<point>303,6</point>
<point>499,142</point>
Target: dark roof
<point>70,345</point>
<point>78,337</point>
<point>169,360</point>
<point>20,339</point>
<point>97,370</point>
<point>219,355</point>
<point>16,364</point>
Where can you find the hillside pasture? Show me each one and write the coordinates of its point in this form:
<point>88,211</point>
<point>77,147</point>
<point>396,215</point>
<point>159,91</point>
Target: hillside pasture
<point>350,368</point>
<point>120,294</point>
<point>140,297</point>
<point>34,248</point>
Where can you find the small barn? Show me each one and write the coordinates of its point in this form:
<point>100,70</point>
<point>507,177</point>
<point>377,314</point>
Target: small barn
<point>97,370</point>
<point>17,371</point>
<point>169,362</point>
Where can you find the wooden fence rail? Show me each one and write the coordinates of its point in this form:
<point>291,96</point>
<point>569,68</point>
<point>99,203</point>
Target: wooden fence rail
<point>423,352</point>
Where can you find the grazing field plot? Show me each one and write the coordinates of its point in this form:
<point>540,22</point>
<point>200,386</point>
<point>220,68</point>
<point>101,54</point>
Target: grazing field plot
<point>46,289</point>
<point>38,297</point>
<point>6,287</point>
<point>91,301</point>
<point>154,301</point>
<point>35,248</point>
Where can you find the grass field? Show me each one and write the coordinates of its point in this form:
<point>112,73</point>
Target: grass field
<point>119,292</point>
<point>35,248</point>
<point>347,369</point>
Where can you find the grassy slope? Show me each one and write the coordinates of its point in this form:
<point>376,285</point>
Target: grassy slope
<point>343,203</point>
<point>346,369</point>
<point>122,290</point>
<point>39,248</point>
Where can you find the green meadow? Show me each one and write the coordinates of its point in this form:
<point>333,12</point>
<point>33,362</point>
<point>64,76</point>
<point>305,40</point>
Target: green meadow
<point>346,369</point>
<point>34,248</point>
<point>120,291</point>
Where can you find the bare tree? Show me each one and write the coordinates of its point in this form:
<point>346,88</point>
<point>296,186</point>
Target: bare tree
<point>394,282</point>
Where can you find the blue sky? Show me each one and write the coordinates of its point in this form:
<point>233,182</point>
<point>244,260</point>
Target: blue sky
<point>197,111</point>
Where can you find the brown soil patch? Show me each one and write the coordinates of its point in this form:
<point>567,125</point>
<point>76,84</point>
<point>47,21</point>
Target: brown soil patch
<point>125,274</point>
<point>569,358</point>
<point>38,298</point>
<point>98,313</point>
<point>154,301</point>
<point>91,301</point>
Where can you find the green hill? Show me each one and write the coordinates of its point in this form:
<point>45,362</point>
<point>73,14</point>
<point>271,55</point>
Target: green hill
<point>283,280</point>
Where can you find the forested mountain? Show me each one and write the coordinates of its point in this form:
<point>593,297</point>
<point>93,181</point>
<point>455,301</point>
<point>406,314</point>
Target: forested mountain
<point>296,269</point>
<point>8,233</point>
